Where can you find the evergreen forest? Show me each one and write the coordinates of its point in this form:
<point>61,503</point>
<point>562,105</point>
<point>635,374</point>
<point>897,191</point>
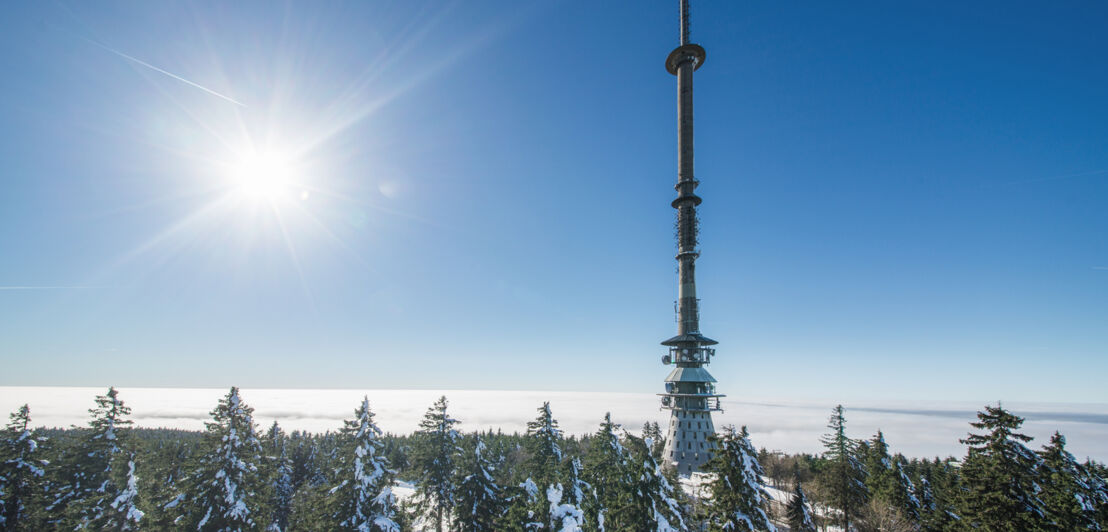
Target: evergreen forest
<point>237,476</point>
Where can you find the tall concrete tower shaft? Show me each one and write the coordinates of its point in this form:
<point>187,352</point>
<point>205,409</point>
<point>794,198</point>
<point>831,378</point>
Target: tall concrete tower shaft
<point>690,389</point>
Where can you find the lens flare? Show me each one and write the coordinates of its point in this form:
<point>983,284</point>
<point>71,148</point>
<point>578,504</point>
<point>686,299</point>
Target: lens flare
<point>262,176</point>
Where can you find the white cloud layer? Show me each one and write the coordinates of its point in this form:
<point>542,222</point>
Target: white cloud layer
<point>913,428</point>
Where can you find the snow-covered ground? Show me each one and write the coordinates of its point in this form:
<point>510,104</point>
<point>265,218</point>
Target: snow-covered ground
<point>912,428</point>
<point>696,486</point>
<point>403,490</point>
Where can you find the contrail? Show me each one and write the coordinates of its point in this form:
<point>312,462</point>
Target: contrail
<point>170,74</point>
<point>40,287</point>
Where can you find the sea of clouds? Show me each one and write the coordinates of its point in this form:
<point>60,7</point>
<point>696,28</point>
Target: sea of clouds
<point>922,429</point>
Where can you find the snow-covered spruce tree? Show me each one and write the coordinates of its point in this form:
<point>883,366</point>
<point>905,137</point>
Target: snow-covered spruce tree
<point>843,475</point>
<point>797,512</point>
<point>363,501</point>
<point>222,493</point>
<point>540,503</point>
<point>544,446</point>
<point>651,431</point>
<point>166,465</point>
<point>478,504</point>
<point>886,482</point>
<point>578,490</point>
<point>101,470</point>
<point>434,454</point>
<point>122,513</point>
<point>999,491</point>
<point>907,489</point>
<point>608,470</point>
<point>1097,479</point>
<point>308,465</point>
<point>564,516</point>
<point>936,490</point>
<point>1069,495</point>
<point>524,508</point>
<point>654,505</point>
<point>21,473</point>
<point>278,475</point>
<point>738,499</point>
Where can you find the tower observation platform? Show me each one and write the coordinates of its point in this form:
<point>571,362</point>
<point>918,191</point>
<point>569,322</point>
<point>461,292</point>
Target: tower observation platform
<point>690,391</point>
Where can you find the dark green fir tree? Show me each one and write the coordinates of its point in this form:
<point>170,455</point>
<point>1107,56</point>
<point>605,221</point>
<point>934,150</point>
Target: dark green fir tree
<point>278,471</point>
<point>738,499</point>
<point>843,475</point>
<point>434,455</point>
<point>1068,490</point>
<point>544,446</point>
<point>540,502</point>
<point>1098,487</point>
<point>221,495</point>
<point>651,431</point>
<point>798,510</point>
<point>21,473</point>
<point>122,512</point>
<point>887,484</point>
<point>102,468</point>
<point>999,489</point>
<point>654,505</point>
<point>479,504</point>
<point>363,501</point>
<point>937,491</point>
<point>608,470</point>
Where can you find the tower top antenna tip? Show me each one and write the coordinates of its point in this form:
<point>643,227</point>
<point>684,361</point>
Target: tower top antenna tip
<point>684,22</point>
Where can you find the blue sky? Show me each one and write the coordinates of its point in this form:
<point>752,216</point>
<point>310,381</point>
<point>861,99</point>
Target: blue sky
<point>901,201</point>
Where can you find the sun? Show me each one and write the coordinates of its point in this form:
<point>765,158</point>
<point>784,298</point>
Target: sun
<point>264,176</point>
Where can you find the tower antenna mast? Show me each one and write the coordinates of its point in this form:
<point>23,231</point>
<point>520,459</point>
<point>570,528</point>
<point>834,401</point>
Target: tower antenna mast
<point>690,390</point>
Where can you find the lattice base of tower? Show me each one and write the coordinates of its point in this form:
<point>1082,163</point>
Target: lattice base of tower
<point>687,446</point>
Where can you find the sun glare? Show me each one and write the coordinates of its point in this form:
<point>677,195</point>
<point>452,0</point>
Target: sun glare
<point>262,176</point>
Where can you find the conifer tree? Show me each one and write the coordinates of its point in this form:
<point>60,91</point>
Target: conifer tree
<point>886,482</point>
<point>479,503</point>
<point>433,457</point>
<point>279,472</point>
<point>797,511</point>
<point>221,495</point>
<point>935,491</point>
<point>102,467</point>
<point>925,495</point>
<point>1097,478</point>
<point>654,505</point>
<point>165,482</point>
<point>738,498</point>
<point>844,475</point>
<point>122,513</point>
<point>541,503</point>
<point>906,490</point>
<point>609,472</point>
<point>544,446</point>
<point>21,473</point>
<point>651,431</point>
<point>564,516</point>
<point>578,491</point>
<point>526,507</point>
<point>364,501</point>
<point>998,476</point>
<point>1069,497</point>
